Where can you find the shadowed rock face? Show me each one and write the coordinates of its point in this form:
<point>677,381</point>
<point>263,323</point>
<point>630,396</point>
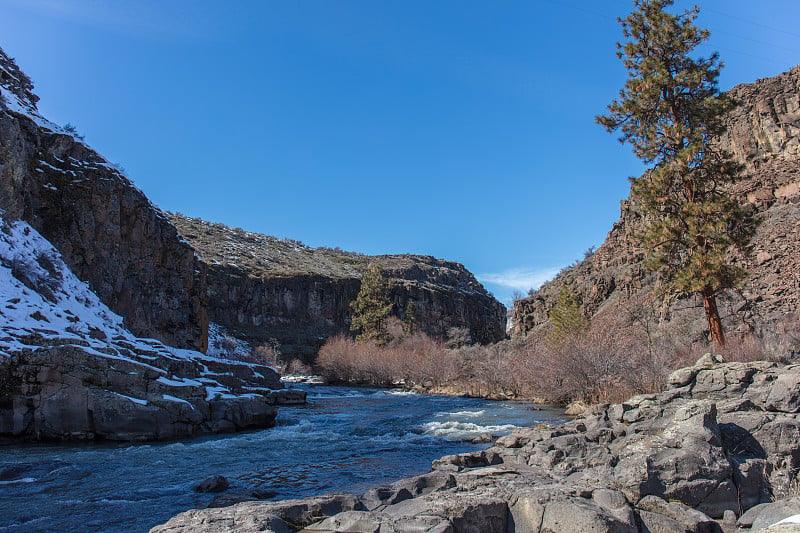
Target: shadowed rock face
<point>109,233</point>
<point>764,134</point>
<point>262,287</point>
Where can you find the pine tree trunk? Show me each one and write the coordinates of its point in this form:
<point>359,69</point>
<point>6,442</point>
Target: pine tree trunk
<point>712,315</point>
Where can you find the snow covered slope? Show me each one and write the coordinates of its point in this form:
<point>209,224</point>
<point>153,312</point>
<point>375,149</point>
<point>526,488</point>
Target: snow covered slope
<point>70,369</point>
<point>41,300</point>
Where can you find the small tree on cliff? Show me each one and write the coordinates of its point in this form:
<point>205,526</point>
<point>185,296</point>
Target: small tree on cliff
<point>669,111</point>
<point>371,308</point>
<point>410,318</point>
<point>566,317</point>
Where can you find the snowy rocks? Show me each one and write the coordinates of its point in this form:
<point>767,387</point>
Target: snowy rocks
<point>109,233</point>
<point>72,392</point>
<point>69,369</point>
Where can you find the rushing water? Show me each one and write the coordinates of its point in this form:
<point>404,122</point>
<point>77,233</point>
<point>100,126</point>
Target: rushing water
<point>344,439</point>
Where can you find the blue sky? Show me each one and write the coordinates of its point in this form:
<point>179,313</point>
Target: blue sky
<point>459,129</point>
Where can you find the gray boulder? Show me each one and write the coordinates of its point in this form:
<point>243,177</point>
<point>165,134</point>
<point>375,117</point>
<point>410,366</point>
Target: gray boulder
<point>767,514</point>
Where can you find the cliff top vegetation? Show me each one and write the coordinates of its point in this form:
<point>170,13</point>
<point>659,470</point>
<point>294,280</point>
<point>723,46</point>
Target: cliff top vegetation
<point>266,256</point>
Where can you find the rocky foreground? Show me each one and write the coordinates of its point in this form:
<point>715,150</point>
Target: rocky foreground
<point>708,454</point>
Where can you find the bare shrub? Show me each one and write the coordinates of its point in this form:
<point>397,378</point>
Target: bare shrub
<point>458,337</point>
<point>296,366</point>
<point>410,359</point>
<point>270,354</point>
<point>342,360</point>
<point>625,351</point>
<point>594,366</point>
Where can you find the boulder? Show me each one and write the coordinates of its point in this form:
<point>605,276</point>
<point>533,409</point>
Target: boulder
<point>585,516</point>
<point>213,484</point>
<point>767,514</point>
<point>662,515</point>
<point>684,461</point>
<point>249,517</point>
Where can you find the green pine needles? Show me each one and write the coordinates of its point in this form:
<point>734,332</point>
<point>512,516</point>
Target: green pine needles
<point>567,318</point>
<point>410,319</point>
<point>372,308</point>
<point>669,111</point>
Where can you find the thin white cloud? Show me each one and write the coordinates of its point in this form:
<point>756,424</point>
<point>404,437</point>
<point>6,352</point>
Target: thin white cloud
<point>519,278</point>
<point>141,19</point>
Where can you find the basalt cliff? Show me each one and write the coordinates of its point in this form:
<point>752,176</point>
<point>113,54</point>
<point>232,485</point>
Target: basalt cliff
<point>88,267</point>
<point>262,288</point>
<point>763,133</point>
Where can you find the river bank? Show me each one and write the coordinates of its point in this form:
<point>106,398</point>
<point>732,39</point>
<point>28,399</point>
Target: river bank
<point>453,390</point>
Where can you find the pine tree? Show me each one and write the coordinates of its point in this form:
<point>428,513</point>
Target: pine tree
<point>410,318</point>
<point>371,308</point>
<point>566,317</point>
<point>669,111</point>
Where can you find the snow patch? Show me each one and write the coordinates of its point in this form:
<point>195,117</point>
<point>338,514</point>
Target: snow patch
<point>171,398</point>
<point>131,398</point>
<point>225,346</point>
<point>179,382</point>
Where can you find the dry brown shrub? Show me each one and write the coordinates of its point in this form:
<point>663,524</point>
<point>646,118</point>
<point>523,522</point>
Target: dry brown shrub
<point>409,359</point>
<point>625,352</point>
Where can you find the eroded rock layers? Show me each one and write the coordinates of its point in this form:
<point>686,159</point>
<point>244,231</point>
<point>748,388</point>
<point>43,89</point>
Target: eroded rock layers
<point>108,232</point>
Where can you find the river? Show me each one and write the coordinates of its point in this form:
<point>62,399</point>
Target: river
<point>347,439</point>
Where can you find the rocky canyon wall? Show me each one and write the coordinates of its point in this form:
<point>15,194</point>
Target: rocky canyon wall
<point>258,287</point>
<point>763,133</point>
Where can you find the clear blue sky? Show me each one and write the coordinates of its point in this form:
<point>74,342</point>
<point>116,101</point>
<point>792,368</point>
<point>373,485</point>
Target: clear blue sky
<point>459,129</point>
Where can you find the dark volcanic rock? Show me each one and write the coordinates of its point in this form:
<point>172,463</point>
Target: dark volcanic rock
<point>213,484</point>
<point>262,287</point>
<point>763,134</point>
<point>107,230</point>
